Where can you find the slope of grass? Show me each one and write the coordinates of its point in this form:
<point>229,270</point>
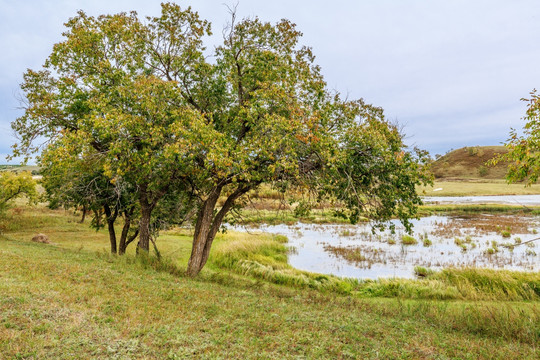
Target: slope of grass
<point>66,300</point>
<point>61,304</point>
<point>470,163</point>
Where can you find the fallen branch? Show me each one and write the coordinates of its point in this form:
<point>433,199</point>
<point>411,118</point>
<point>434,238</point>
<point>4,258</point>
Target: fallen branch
<point>522,243</point>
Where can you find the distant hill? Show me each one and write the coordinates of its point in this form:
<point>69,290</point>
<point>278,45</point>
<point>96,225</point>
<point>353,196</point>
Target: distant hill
<point>34,169</point>
<point>470,163</point>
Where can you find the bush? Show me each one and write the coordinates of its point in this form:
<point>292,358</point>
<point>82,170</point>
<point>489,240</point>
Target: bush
<point>14,185</point>
<point>303,209</point>
<point>482,171</point>
<point>472,150</point>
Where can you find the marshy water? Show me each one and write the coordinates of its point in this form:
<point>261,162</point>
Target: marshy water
<point>488,199</point>
<point>484,240</point>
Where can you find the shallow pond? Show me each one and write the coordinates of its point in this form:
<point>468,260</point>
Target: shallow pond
<point>491,241</point>
<point>488,199</point>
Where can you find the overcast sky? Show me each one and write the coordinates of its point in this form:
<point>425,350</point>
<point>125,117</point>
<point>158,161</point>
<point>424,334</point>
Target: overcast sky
<point>452,72</point>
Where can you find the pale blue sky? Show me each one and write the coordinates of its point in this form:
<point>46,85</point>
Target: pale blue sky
<point>452,72</point>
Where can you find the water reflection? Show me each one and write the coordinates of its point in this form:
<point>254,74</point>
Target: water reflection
<point>493,241</point>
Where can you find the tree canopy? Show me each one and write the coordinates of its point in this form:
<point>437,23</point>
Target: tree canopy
<point>13,185</point>
<point>141,99</point>
<point>524,150</point>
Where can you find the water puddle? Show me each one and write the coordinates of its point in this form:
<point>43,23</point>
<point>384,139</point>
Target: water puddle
<point>481,240</point>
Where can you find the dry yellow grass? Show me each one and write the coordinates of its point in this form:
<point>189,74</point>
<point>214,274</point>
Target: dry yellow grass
<point>470,163</point>
<point>476,188</point>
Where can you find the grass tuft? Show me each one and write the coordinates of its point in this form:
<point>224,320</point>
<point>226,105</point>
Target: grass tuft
<point>408,240</point>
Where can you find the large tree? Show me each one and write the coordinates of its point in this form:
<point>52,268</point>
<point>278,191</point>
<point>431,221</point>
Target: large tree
<point>167,120</point>
<point>103,87</point>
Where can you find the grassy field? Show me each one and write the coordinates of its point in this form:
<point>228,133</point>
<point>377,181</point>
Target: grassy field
<point>70,299</point>
<point>19,168</point>
<point>476,188</point>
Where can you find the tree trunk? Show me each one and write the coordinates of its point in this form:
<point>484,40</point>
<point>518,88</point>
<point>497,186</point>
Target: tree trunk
<point>207,227</point>
<point>144,229</point>
<point>144,223</point>
<point>124,240</point>
<point>202,229</point>
<point>83,214</point>
<point>112,236</point>
<point>111,219</point>
<point>123,236</point>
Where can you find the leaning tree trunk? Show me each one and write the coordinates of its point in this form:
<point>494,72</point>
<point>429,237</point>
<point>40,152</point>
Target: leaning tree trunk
<point>125,239</point>
<point>202,229</point>
<point>207,226</point>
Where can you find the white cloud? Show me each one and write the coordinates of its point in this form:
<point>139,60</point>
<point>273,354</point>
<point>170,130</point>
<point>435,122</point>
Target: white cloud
<point>453,71</point>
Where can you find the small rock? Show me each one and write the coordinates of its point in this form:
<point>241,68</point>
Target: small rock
<point>41,238</point>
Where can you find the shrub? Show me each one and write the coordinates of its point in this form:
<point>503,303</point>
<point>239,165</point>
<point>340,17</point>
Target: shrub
<point>482,171</point>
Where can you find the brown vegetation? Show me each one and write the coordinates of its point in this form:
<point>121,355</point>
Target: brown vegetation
<point>470,163</point>
<point>41,238</point>
<point>494,223</point>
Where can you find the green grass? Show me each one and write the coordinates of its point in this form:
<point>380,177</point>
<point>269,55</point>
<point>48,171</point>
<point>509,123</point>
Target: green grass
<point>421,271</point>
<point>71,299</point>
<point>264,257</point>
<point>408,240</point>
